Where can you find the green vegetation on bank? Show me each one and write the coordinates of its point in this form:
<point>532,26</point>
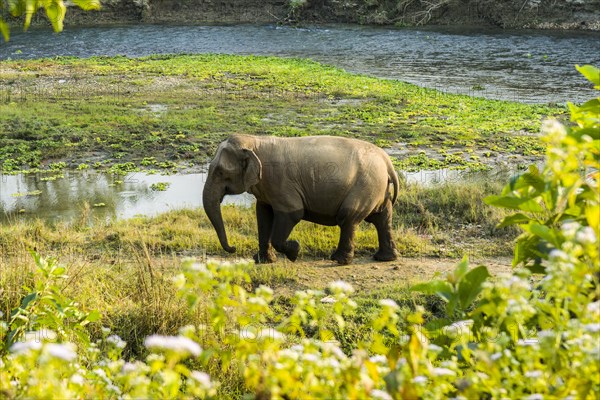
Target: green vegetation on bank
<point>170,112</point>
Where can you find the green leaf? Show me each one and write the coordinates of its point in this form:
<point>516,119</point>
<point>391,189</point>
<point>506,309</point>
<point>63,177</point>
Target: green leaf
<point>591,73</point>
<point>55,11</point>
<point>93,316</point>
<point>542,231</point>
<point>536,268</point>
<point>461,269</point>
<point>4,30</point>
<point>87,5</point>
<point>471,284</point>
<point>515,219</point>
<point>534,179</point>
<point>28,299</point>
<point>594,133</point>
<point>525,249</point>
<point>440,288</point>
<point>514,203</point>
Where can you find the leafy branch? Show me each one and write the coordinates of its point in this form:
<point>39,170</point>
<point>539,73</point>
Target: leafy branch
<point>55,12</point>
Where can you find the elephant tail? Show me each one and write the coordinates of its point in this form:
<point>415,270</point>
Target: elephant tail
<point>393,179</point>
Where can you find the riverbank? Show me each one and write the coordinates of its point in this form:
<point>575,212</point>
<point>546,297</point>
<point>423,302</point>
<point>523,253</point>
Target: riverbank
<point>170,112</point>
<point>514,14</point>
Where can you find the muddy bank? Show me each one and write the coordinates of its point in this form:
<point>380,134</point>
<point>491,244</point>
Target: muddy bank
<point>530,14</point>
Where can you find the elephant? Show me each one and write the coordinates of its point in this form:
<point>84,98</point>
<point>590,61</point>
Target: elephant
<point>327,180</point>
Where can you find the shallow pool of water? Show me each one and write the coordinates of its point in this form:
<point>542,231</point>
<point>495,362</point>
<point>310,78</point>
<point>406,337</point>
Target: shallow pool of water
<point>108,196</point>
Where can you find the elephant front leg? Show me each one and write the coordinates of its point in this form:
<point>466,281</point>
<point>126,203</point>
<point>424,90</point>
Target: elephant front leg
<point>283,224</point>
<point>264,221</point>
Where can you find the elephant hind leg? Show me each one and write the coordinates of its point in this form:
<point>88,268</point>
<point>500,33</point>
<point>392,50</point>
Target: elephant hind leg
<point>383,223</point>
<point>283,223</point>
<point>264,221</point>
<point>345,250</point>
<point>347,219</point>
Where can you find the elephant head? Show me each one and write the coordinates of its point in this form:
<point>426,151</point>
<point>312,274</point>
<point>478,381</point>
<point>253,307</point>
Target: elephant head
<point>234,170</point>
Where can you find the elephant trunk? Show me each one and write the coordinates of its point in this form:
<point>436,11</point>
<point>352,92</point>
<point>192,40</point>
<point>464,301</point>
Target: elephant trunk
<point>211,200</point>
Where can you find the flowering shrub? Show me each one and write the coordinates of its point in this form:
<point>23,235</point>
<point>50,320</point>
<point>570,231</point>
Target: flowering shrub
<point>516,336</point>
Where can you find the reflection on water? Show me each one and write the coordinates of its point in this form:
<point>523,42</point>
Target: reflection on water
<point>110,196</point>
<point>121,197</point>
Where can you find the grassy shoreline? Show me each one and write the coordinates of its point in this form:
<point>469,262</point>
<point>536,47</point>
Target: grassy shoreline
<point>169,112</point>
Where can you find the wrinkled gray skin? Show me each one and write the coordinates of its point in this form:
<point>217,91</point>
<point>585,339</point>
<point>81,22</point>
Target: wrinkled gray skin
<point>323,179</point>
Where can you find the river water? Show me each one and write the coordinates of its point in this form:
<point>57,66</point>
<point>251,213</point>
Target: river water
<point>527,66</point>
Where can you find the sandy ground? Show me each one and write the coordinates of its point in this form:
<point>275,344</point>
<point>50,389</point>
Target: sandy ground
<point>364,274</point>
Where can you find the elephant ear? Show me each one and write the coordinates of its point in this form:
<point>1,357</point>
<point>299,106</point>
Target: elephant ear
<point>253,169</point>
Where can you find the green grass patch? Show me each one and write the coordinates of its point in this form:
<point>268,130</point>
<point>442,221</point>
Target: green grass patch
<point>99,111</point>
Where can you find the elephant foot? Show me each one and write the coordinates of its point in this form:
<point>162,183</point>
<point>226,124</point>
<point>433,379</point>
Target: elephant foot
<point>386,255</point>
<point>266,257</point>
<point>342,258</point>
<point>292,248</point>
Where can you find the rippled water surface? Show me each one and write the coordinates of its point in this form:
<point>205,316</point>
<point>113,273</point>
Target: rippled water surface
<point>529,66</point>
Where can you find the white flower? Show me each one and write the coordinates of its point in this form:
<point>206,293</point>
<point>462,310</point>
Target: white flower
<point>25,347</point>
<point>546,333</point>
<point>113,388</point>
<point>569,229</point>
<point>341,287</point>
<point>178,344</point>
<point>379,395</point>
<point>298,348</point>
<point>287,353</point>
<point>258,301</point>
<point>528,342</point>
<point>594,308</point>
<point>535,396</point>
<point>558,255</point>
<point>116,341</point>
<point>388,303</point>
<point>420,379</point>
<point>128,367</point>
<point>586,236</point>
<point>77,379</point>
<point>379,359</point>
<point>328,300</point>
<point>496,356</point>
<point>202,378</point>
<point>65,351</point>
<point>434,348</point>
<point>105,330</point>
<point>333,348</point>
<point>442,372</point>
<point>333,363</point>
<point>592,327</point>
<point>533,374</point>
<point>555,127</point>
<point>310,357</point>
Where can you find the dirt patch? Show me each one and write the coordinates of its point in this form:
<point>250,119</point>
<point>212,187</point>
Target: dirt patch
<point>366,275</point>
